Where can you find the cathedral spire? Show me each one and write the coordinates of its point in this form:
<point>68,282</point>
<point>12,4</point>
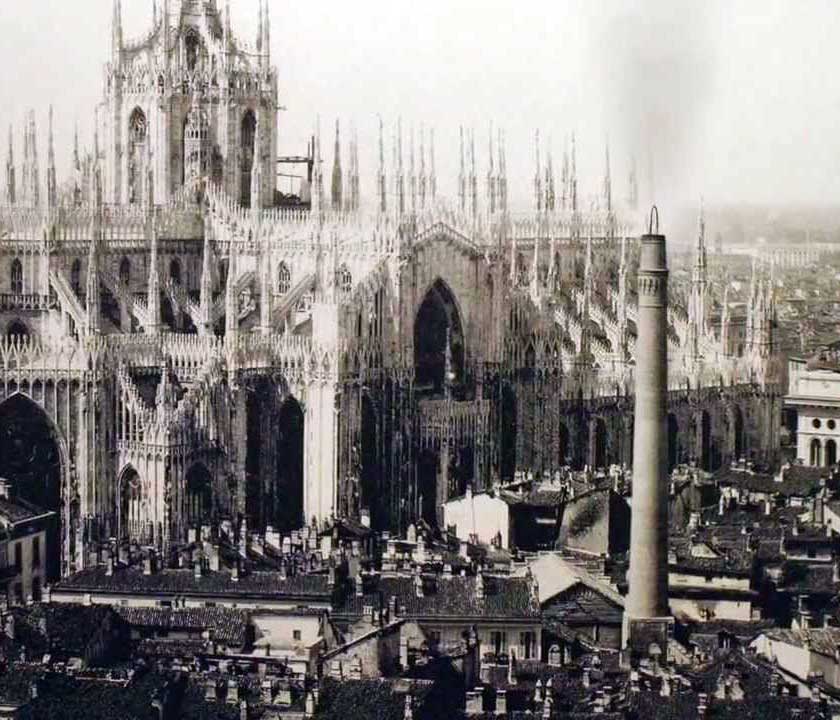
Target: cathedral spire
<point>538,195</point>
<point>502,183</point>
<point>336,186</point>
<point>10,171</point>
<point>573,198</point>
<point>317,191</point>
<point>633,191</point>
<point>382,178</point>
<point>491,175</point>
<point>473,179</point>
<point>421,181</point>
<point>265,284</point>
<point>206,286</point>
<point>153,294</point>
<point>34,176</point>
<point>564,176</point>
<point>412,173</point>
<point>462,177</point>
<point>432,174</point>
<point>267,35</point>
<point>231,304</point>
<point>52,187</point>
<point>260,32</point>
<point>116,31</point>
<point>92,286</point>
<point>549,181</point>
<point>607,180</point>
<point>400,169</point>
<point>724,321</point>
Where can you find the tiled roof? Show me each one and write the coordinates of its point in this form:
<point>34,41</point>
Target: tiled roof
<point>183,581</point>
<point>504,597</point>
<point>19,510</point>
<point>556,575</point>
<point>822,640</point>
<point>58,627</point>
<point>797,481</point>
<point>228,625</point>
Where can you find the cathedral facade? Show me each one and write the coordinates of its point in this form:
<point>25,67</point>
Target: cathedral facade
<point>178,350</point>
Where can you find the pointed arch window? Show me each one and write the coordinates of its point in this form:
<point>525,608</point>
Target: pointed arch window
<point>344,280</point>
<point>17,277</point>
<point>76,276</point>
<point>175,271</point>
<point>196,131</point>
<point>125,271</point>
<point>284,279</point>
<point>137,134</point>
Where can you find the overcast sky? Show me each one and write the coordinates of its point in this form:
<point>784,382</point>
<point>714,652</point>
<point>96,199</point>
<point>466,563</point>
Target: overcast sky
<point>735,101</point>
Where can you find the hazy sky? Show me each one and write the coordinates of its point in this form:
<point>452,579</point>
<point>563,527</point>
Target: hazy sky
<point>737,101</point>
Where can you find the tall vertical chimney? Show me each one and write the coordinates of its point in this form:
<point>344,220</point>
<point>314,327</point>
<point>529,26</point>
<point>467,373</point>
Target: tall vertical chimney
<point>646,610</point>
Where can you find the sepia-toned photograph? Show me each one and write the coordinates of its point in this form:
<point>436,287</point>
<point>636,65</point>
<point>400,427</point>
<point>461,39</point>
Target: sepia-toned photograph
<point>454,360</point>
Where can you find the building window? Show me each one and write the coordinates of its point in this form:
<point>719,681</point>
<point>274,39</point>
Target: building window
<point>526,641</point>
<point>816,423</point>
<point>18,557</point>
<point>36,589</point>
<point>284,279</point>
<point>296,635</point>
<point>434,637</point>
<point>76,276</point>
<point>19,593</point>
<point>36,552</point>
<point>175,271</point>
<point>125,271</point>
<point>17,276</point>
<point>498,641</point>
<point>832,424</point>
<point>344,279</point>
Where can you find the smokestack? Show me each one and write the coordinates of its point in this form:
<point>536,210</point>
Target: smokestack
<point>647,600</point>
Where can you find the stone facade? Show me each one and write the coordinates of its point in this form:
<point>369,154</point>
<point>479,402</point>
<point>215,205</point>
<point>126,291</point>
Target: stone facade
<point>184,352</point>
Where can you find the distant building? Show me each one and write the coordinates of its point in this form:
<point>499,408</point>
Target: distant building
<point>814,393</point>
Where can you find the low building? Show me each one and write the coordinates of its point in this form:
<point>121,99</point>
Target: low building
<point>803,655</point>
<point>24,533</point>
<point>578,608</point>
<point>137,587</point>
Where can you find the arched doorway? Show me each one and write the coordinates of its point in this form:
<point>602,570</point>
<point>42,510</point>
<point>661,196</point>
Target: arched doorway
<point>830,453</point>
<point>599,444</point>
<point>290,465</point>
<point>249,132</point>
<point>253,450</point>
<point>125,272</point>
<point>706,459</point>
<point>199,496</point>
<point>30,458</point>
<point>369,479</point>
<point>816,453</point>
<point>673,442</point>
<point>738,443</point>
<point>175,271</point>
<point>508,436</point>
<point>428,467</point>
<point>438,341</point>
<point>130,494</point>
<point>563,446</point>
